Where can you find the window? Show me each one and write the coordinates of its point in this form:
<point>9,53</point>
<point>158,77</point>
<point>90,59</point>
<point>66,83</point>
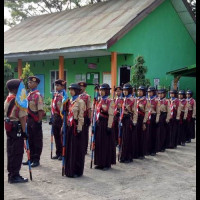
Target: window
<point>107,78</point>
<point>54,76</point>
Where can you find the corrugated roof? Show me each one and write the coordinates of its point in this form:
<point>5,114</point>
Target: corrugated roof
<point>89,25</point>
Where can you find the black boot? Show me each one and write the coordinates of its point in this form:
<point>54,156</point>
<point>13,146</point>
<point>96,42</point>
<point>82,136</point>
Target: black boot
<point>55,157</point>
<point>18,179</point>
<point>26,162</point>
<point>35,164</point>
<point>60,158</point>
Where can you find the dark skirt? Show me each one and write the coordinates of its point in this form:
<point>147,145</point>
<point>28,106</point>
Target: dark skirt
<point>105,151</point>
<point>161,133</point>
<point>141,137</point>
<point>151,135</point>
<point>172,135</point>
<point>190,126</point>
<point>86,133</point>
<point>182,128</point>
<point>75,153</point>
<point>127,139</point>
<point>116,128</point>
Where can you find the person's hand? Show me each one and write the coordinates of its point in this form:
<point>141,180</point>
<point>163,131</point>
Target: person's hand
<point>144,127</point>
<point>24,135</point>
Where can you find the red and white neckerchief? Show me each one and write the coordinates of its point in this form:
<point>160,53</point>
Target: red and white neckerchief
<point>172,107</point>
<point>98,109</point>
<point>138,102</point>
<point>71,114</point>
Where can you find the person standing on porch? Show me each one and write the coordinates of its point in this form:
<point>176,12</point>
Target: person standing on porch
<point>87,114</point>
<point>60,86</point>
<point>105,151</point>
<point>34,122</point>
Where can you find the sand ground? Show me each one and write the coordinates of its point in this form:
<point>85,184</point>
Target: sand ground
<point>169,175</point>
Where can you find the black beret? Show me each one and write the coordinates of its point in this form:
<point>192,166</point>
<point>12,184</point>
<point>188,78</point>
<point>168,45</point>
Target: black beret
<point>60,82</point>
<point>12,84</point>
<point>34,79</point>
<point>82,83</point>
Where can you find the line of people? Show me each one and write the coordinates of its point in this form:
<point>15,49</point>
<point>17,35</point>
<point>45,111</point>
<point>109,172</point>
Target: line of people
<point>138,126</point>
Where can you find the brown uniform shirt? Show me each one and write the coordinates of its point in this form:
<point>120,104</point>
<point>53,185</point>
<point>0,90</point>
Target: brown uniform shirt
<point>35,101</point>
<point>130,106</point>
<point>87,99</point>
<point>182,108</point>
<point>16,113</point>
<point>163,105</point>
<point>78,108</point>
<point>151,107</point>
<point>191,104</point>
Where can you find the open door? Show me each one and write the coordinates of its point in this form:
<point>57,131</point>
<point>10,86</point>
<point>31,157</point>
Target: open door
<point>41,84</point>
<point>125,73</point>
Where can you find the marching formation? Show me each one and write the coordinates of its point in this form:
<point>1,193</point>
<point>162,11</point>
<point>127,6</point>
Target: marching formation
<point>131,125</point>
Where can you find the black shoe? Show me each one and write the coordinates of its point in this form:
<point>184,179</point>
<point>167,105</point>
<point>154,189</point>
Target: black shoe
<point>98,167</point>
<point>127,161</point>
<point>60,158</point>
<point>122,161</point>
<point>26,162</point>
<point>131,160</point>
<point>55,157</point>
<point>163,150</point>
<point>141,157</point>
<point>188,141</point>
<point>18,179</point>
<point>35,164</point>
<point>183,144</point>
<point>153,154</point>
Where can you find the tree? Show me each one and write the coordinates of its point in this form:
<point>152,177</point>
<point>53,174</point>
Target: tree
<point>192,4</point>
<point>25,74</point>
<point>22,9</point>
<point>139,71</point>
<point>8,74</point>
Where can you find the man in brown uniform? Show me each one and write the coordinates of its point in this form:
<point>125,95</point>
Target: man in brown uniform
<point>15,124</point>
<point>34,122</point>
<point>87,114</point>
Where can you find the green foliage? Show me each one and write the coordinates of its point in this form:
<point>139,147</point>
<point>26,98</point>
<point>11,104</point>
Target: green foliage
<point>47,105</point>
<point>139,71</point>
<point>25,74</point>
<point>8,74</point>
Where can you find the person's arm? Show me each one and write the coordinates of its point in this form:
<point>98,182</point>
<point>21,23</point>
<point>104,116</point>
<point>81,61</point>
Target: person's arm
<point>111,114</point>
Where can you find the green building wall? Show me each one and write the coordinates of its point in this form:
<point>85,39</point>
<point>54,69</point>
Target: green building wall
<point>165,44</point>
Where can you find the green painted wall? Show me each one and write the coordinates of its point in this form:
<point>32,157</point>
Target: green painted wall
<point>165,44</point>
<point>80,67</point>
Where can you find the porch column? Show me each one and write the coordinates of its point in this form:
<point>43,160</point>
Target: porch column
<point>19,65</point>
<point>61,67</point>
<point>176,79</point>
<point>113,71</point>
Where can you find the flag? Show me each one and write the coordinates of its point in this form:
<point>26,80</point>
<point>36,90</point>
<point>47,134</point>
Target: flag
<point>64,101</point>
<point>21,97</point>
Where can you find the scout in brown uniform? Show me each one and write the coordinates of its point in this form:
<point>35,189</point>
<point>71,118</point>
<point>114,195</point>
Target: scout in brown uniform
<point>34,122</point>
<point>87,114</point>
<point>15,123</point>
<point>190,122</point>
<point>173,123</point>
<point>129,120</point>
<point>56,117</point>
<point>105,151</point>
<point>182,114</point>
<point>75,142</point>
<point>150,120</point>
<point>141,124</point>
<point>118,105</point>
<point>162,120</point>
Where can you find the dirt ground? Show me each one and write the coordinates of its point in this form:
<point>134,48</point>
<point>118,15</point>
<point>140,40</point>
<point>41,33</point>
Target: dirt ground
<point>170,175</point>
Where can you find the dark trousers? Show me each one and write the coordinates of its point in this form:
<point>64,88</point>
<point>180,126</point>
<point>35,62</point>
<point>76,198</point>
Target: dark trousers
<point>15,150</point>
<point>56,128</point>
<point>35,139</point>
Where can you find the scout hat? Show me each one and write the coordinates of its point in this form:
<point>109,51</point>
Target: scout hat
<point>60,82</point>
<point>118,87</point>
<point>82,83</point>
<point>105,86</point>
<point>34,79</point>
<point>12,84</point>
<point>74,86</point>
<point>151,89</point>
<point>127,86</point>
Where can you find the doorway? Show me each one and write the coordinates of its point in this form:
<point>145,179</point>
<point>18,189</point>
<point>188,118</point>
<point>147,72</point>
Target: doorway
<point>124,75</point>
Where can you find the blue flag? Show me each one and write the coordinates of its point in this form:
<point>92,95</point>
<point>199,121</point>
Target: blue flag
<point>64,101</point>
<point>21,97</point>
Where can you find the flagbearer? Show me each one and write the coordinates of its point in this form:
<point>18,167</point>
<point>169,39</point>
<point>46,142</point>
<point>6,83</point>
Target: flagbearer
<point>15,123</point>
<point>75,143</point>
<point>34,122</point>
<point>57,121</point>
<point>87,114</point>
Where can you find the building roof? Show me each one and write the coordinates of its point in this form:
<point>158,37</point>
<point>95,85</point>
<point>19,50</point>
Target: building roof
<point>189,71</point>
<point>93,27</point>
